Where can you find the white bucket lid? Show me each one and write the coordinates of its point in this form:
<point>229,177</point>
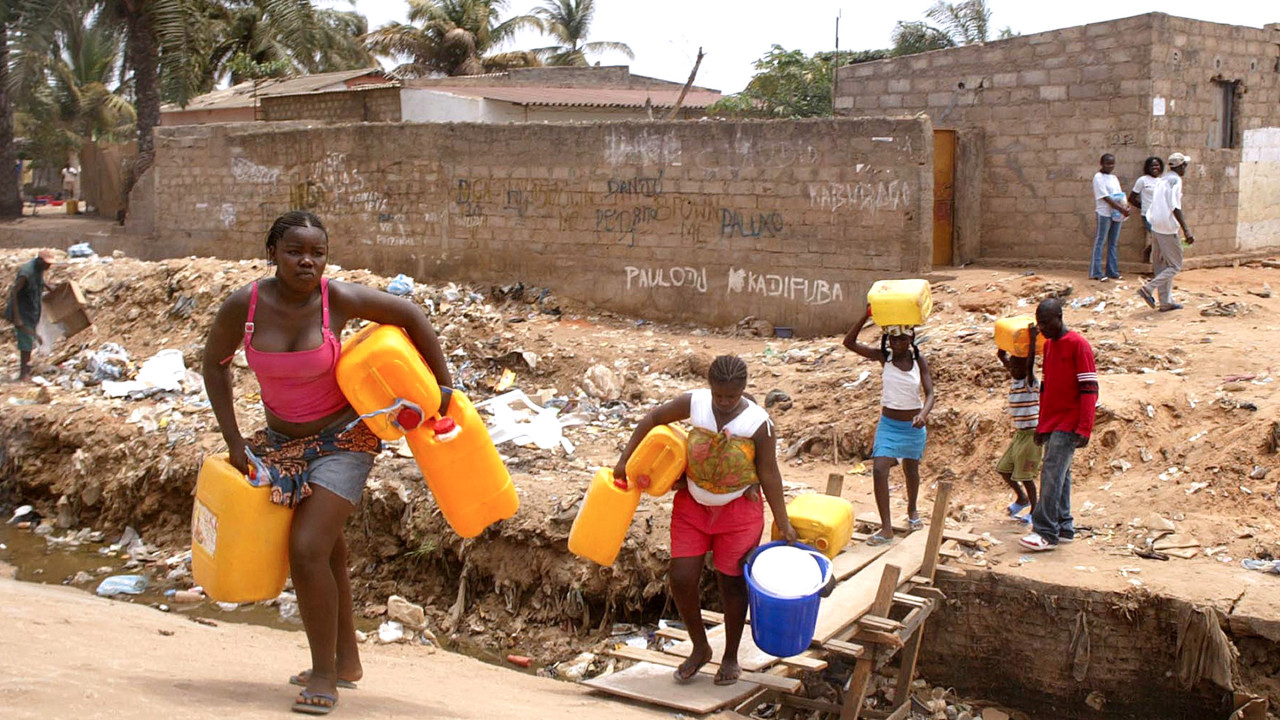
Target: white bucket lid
<point>787,572</point>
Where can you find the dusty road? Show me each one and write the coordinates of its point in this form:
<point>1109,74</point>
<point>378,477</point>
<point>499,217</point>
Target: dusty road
<point>65,654</point>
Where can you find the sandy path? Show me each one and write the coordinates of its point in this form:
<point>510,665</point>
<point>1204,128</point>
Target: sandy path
<point>65,654</point>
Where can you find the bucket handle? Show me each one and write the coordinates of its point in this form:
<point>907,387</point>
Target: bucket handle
<point>828,581</point>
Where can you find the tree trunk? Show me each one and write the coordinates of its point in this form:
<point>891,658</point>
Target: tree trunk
<point>144,57</point>
<point>10,199</point>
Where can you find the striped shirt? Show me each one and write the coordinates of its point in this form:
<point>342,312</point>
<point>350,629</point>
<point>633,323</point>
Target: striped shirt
<point>1024,404</point>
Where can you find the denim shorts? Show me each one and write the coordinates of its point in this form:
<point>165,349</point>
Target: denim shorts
<point>341,473</point>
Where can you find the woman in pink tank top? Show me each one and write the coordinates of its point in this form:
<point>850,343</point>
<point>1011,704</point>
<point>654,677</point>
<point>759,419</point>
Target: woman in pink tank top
<point>290,324</point>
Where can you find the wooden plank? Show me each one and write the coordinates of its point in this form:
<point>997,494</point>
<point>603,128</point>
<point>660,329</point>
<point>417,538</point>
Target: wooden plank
<point>964,538</point>
<point>774,682</point>
<point>890,640</point>
<point>670,633</point>
<point>857,557</point>
<point>908,600</point>
<point>876,622</point>
<point>750,657</point>
<point>857,691</point>
<point>848,649</point>
<point>936,527</point>
<point>710,617</point>
<point>910,653</point>
<point>931,593</point>
<point>853,597</point>
<point>804,662</point>
<point>653,684</point>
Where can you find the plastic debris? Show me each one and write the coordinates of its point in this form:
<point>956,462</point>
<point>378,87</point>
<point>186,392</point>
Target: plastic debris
<point>80,250</point>
<point>1266,566</point>
<point>400,285</point>
<point>122,585</point>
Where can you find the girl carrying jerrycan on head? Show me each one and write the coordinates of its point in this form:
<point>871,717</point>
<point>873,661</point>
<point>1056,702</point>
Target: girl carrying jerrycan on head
<point>901,433</point>
<point>732,457</point>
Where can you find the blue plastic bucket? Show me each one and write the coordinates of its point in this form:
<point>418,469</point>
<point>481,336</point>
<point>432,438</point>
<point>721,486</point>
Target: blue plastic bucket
<point>784,626</point>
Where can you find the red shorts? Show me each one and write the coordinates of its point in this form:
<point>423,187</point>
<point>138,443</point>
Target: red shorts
<point>728,531</point>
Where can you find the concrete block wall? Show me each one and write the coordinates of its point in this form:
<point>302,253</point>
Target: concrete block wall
<point>1050,104</point>
<point>380,104</point>
<point>1189,56</point>
<point>704,222</point>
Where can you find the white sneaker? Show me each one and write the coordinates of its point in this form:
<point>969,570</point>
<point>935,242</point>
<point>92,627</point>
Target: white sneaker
<point>1036,543</point>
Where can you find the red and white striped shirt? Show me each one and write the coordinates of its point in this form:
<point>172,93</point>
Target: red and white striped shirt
<point>1069,391</point>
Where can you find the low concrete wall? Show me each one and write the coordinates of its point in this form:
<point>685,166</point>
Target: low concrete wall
<point>705,222</point>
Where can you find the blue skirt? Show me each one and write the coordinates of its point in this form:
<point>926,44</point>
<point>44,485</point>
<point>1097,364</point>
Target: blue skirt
<point>899,439</point>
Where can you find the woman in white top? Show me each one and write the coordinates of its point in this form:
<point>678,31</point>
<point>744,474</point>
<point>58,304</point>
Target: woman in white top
<point>1144,189</point>
<point>1111,209</point>
<point>901,433</point>
<point>732,460</point>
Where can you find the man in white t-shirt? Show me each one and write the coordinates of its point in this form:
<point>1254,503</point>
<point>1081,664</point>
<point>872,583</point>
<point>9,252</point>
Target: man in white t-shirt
<point>1165,216</point>
<point>1111,209</point>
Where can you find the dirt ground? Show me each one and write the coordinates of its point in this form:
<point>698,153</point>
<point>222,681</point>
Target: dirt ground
<point>69,655</point>
<point>1184,451</point>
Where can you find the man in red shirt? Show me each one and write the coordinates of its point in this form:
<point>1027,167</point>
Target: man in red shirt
<point>1068,398</point>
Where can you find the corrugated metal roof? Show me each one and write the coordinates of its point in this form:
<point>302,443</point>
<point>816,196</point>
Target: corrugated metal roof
<point>582,97</point>
<point>241,96</point>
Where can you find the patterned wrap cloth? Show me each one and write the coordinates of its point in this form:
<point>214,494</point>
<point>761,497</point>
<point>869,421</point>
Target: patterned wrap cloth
<point>288,463</point>
<point>719,463</point>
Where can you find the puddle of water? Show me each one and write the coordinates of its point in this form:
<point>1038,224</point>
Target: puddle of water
<point>35,561</point>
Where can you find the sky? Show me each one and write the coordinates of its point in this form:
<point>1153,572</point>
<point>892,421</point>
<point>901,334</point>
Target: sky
<point>665,34</point>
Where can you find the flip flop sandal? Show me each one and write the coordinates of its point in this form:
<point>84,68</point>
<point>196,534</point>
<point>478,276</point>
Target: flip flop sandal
<point>878,539</point>
<point>682,679</point>
<point>305,705</point>
<point>304,677</point>
<point>915,524</point>
<point>725,679</point>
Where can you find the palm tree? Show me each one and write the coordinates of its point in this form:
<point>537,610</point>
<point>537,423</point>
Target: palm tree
<point>569,23</point>
<point>10,197</point>
<point>164,40</point>
<point>966,22</point>
<point>454,37</point>
<point>328,40</point>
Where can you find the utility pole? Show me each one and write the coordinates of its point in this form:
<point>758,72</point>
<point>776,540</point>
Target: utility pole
<point>835,67</point>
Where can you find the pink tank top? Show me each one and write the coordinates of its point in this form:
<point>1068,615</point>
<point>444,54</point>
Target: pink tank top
<point>299,386</point>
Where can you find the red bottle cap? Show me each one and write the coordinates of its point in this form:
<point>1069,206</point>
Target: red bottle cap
<point>408,418</point>
<point>620,483</point>
<point>445,426</point>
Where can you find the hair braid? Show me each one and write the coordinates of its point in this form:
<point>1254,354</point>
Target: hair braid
<point>293,219</point>
<point>727,369</point>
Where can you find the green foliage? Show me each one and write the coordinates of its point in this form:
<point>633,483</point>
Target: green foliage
<point>787,84</point>
<point>244,66</point>
<point>454,37</point>
<point>961,23</point>
<point>568,22</point>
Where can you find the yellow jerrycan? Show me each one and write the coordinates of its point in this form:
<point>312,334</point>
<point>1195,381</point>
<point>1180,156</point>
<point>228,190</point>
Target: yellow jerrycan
<point>239,538</point>
<point>379,366</point>
<point>456,456</point>
<point>661,457</point>
<point>900,302</point>
<point>822,521</point>
<point>601,526</point>
<point>1013,335</point>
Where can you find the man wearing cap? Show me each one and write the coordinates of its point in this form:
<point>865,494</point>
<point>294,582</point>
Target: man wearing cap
<point>23,308</point>
<point>1165,217</point>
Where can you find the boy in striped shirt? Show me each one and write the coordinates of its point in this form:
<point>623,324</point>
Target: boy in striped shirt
<point>1068,402</point>
<point>1020,464</point>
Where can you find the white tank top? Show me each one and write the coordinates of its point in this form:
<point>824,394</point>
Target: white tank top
<point>901,389</point>
<point>701,415</point>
